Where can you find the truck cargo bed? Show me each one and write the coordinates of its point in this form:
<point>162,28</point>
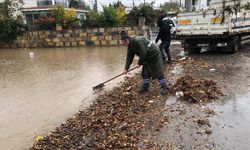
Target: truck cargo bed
<point>212,22</point>
<point>225,25</point>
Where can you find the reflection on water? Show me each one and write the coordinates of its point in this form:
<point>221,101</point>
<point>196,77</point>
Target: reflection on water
<point>231,125</point>
<point>37,93</point>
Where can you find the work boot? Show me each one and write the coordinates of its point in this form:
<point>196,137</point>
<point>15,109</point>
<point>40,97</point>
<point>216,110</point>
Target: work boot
<point>144,88</point>
<point>169,61</point>
<point>164,90</point>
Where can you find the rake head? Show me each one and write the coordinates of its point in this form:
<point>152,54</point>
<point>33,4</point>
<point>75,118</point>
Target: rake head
<point>98,87</point>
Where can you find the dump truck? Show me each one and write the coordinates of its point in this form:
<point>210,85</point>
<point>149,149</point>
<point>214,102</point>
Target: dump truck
<point>224,25</point>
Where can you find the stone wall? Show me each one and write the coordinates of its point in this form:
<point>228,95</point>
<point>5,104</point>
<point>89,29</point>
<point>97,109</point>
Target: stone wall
<point>74,38</point>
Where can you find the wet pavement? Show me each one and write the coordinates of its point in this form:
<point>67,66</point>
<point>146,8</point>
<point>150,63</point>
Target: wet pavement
<point>231,127</point>
<point>228,124</point>
<point>39,90</point>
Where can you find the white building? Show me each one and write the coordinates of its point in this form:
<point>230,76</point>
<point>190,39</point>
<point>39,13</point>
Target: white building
<point>30,3</point>
<point>196,4</point>
<point>32,9</point>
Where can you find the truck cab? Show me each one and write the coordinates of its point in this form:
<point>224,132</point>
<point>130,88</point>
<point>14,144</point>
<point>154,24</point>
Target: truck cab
<point>172,24</point>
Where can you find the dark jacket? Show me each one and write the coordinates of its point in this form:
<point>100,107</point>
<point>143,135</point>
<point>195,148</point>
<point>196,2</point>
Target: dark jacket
<point>164,33</point>
<point>148,53</point>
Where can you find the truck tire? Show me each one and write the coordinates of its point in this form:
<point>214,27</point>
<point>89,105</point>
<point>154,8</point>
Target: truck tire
<point>196,50</point>
<point>174,35</point>
<point>185,45</point>
<point>235,44</point>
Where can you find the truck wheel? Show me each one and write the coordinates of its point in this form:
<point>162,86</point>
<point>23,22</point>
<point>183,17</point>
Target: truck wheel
<point>186,46</point>
<point>196,50</point>
<point>174,35</point>
<point>235,44</point>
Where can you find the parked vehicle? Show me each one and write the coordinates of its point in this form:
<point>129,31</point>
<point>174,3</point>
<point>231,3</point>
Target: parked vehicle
<point>226,24</point>
<point>173,25</point>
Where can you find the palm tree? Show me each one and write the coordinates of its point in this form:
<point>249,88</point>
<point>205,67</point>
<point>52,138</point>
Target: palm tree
<point>77,4</point>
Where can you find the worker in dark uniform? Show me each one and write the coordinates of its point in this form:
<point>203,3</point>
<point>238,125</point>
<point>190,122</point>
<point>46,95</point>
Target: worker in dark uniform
<point>165,36</point>
<point>149,57</point>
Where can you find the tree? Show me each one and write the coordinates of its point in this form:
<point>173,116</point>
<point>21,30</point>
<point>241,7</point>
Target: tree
<point>118,4</point>
<point>170,6</point>
<point>9,7</point>
<point>10,28</point>
<point>92,19</point>
<point>109,16</point>
<point>77,4</point>
<point>120,11</point>
<point>247,6</point>
<point>144,10</point>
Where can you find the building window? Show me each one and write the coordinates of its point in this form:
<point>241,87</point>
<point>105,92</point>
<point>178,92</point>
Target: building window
<point>61,3</point>
<point>208,2</point>
<point>193,2</point>
<point>44,2</point>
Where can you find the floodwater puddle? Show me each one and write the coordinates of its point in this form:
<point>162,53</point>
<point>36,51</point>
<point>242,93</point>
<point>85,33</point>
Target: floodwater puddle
<point>40,90</point>
<point>231,124</point>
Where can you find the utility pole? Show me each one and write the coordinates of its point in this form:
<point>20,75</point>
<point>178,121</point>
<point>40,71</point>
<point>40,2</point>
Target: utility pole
<point>188,5</point>
<point>133,3</point>
<point>95,6</point>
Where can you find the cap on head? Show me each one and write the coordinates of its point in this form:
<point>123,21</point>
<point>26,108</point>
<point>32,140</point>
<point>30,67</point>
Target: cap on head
<point>124,35</point>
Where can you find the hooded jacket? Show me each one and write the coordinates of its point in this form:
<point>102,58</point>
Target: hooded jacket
<point>148,53</point>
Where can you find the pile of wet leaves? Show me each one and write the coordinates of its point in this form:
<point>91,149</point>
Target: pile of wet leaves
<point>118,119</point>
<point>196,90</point>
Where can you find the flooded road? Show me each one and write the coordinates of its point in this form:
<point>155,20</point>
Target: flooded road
<point>230,125</point>
<point>39,91</point>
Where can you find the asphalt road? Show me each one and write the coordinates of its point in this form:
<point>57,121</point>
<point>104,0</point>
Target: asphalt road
<point>227,119</point>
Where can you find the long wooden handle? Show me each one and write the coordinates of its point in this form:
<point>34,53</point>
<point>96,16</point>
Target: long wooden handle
<point>119,75</point>
<point>102,84</point>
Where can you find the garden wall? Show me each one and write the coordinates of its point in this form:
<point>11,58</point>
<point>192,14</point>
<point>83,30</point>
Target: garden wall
<point>74,38</point>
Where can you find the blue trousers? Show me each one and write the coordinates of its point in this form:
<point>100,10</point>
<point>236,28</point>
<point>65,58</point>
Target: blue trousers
<point>146,78</point>
<point>164,48</point>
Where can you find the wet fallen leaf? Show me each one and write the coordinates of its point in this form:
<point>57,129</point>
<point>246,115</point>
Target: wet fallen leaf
<point>196,91</point>
<point>39,138</point>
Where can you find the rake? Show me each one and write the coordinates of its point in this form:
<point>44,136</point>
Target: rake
<point>99,86</point>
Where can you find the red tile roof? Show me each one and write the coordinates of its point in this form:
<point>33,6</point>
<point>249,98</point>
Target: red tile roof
<point>38,7</point>
<point>45,7</point>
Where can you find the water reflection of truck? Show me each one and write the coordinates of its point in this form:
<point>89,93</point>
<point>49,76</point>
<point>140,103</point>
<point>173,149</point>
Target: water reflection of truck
<point>226,24</point>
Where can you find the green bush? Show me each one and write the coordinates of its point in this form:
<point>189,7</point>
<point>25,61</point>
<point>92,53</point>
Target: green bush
<point>112,15</point>
<point>65,18</point>
<point>92,20</point>
<point>45,23</point>
<point>170,6</point>
<point>58,13</point>
<point>10,28</point>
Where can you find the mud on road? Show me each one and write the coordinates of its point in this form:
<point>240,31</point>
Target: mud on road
<point>124,119</point>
